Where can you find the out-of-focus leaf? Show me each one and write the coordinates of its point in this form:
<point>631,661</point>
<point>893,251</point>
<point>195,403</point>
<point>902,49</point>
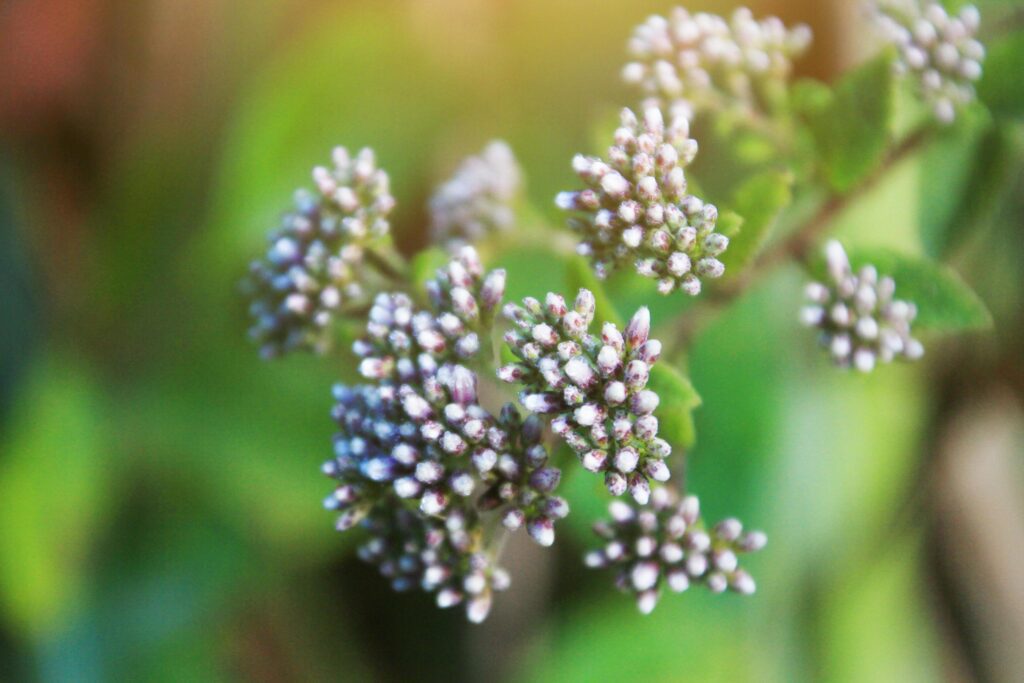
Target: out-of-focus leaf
<point>946,174</point>
<point>54,483</point>
<point>729,224</point>
<point>692,636</point>
<point>1000,84</point>
<point>759,201</point>
<point>678,401</point>
<point>581,276</point>
<point>425,265</point>
<point>852,132</point>
<point>944,301</point>
<point>877,624</point>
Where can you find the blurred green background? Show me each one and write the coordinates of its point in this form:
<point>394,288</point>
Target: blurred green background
<point>160,511</point>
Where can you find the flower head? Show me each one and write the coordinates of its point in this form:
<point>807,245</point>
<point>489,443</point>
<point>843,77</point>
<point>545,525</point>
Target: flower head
<point>314,264</point>
<point>668,544</point>
<point>860,321</point>
<point>696,62</point>
<point>938,49</point>
<point>635,207</point>
<point>594,387</point>
<point>479,198</point>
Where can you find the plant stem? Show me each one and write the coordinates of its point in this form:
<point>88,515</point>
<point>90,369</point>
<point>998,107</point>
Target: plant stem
<point>797,246</point>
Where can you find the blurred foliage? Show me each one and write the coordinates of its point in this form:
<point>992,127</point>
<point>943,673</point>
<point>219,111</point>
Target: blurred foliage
<point>160,514</point>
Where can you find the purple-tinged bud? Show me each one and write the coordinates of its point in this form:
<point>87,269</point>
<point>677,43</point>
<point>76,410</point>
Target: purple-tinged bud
<point>433,503</point>
<point>637,374</point>
<point>650,352</point>
<point>647,601</point>
<point>416,407</point>
<point>407,487</point>
<point>448,597</point>
<point>729,529</point>
<point>493,289</point>
<point>585,305</point>
<point>742,583</point>
<point>556,507</point>
<point>626,459</point>
<point>639,328</point>
<point>478,608</point>
<point>639,488</point>
<point>615,393</point>
<point>513,519</point>
<point>615,482</point>
<point>580,372</point>
<point>608,360</point>
<point>611,336</point>
<point>463,385</point>
<point>542,530</point>
<point>677,580</point>
<point>752,541</point>
<point>542,403</point>
<point>644,575</point>
<point>696,565</point>
<point>555,304</point>
<point>545,480</point>
<point>657,470</point>
<point>462,484</point>
<point>724,560</point>
<point>594,461</point>
<point>511,373</point>
<point>645,402</point>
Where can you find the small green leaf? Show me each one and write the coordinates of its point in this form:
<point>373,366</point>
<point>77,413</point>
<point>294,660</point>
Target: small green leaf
<point>425,265</point>
<point>729,224</point>
<point>678,401</point>
<point>759,201</point>
<point>580,275</point>
<point>944,301</point>
<point>852,131</point>
<point>1000,87</point>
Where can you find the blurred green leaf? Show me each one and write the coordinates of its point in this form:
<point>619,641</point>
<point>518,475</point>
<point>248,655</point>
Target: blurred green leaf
<point>678,401</point>
<point>759,200</point>
<point>1000,87</point>
<point>581,276</point>
<point>729,224</point>
<point>944,301</point>
<point>55,488</point>
<point>852,132</point>
<point>947,171</point>
<point>426,264</point>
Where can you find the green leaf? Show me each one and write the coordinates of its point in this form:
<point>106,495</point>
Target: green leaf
<point>581,275</point>
<point>678,401</point>
<point>729,224</point>
<point>946,176</point>
<point>54,484</point>
<point>944,301</point>
<point>852,131</point>
<point>759,201</point>
<point>425,265</point>
<point>1000,87</point>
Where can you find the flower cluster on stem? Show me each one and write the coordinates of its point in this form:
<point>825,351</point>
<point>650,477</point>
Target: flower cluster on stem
<point>314,265</point>
<point>635,207</point>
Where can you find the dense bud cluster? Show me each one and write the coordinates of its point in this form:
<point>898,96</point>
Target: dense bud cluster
<point>479,198</point>
<point>594,387</point>
<point>697,62</point>
<point>420,462</point>
<point>938,49</point>
<point>314,264</point>
<point>667,544</point>
<point>403,345</point>
<point>446,558</point>
<point>860,321</point>
<point>635,207</point>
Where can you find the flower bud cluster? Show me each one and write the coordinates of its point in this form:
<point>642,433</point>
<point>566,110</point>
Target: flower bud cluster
<point>594,387</point>
<point>668,544</point>
<point>520,480</point>
<point>314,264</point>
<point>403,345</point>
<point>479,198</point>
<point>445,558</point>
<point>635,207</point>
<point>420,461</point>
<point>697,62</point>
<point>860,321</point>
<point>940,50</point>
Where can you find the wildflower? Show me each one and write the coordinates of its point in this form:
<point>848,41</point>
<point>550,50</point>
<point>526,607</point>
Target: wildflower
<point>314,264</point>
<point>669,545</point>
<point>938,49</point>
<point>698,62</point>
<point>478,199</point>
<point>594,387</point>
<point>860,321</point>
<point>635,207</point>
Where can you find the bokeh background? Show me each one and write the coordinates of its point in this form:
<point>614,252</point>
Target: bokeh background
<point>160,511</point>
